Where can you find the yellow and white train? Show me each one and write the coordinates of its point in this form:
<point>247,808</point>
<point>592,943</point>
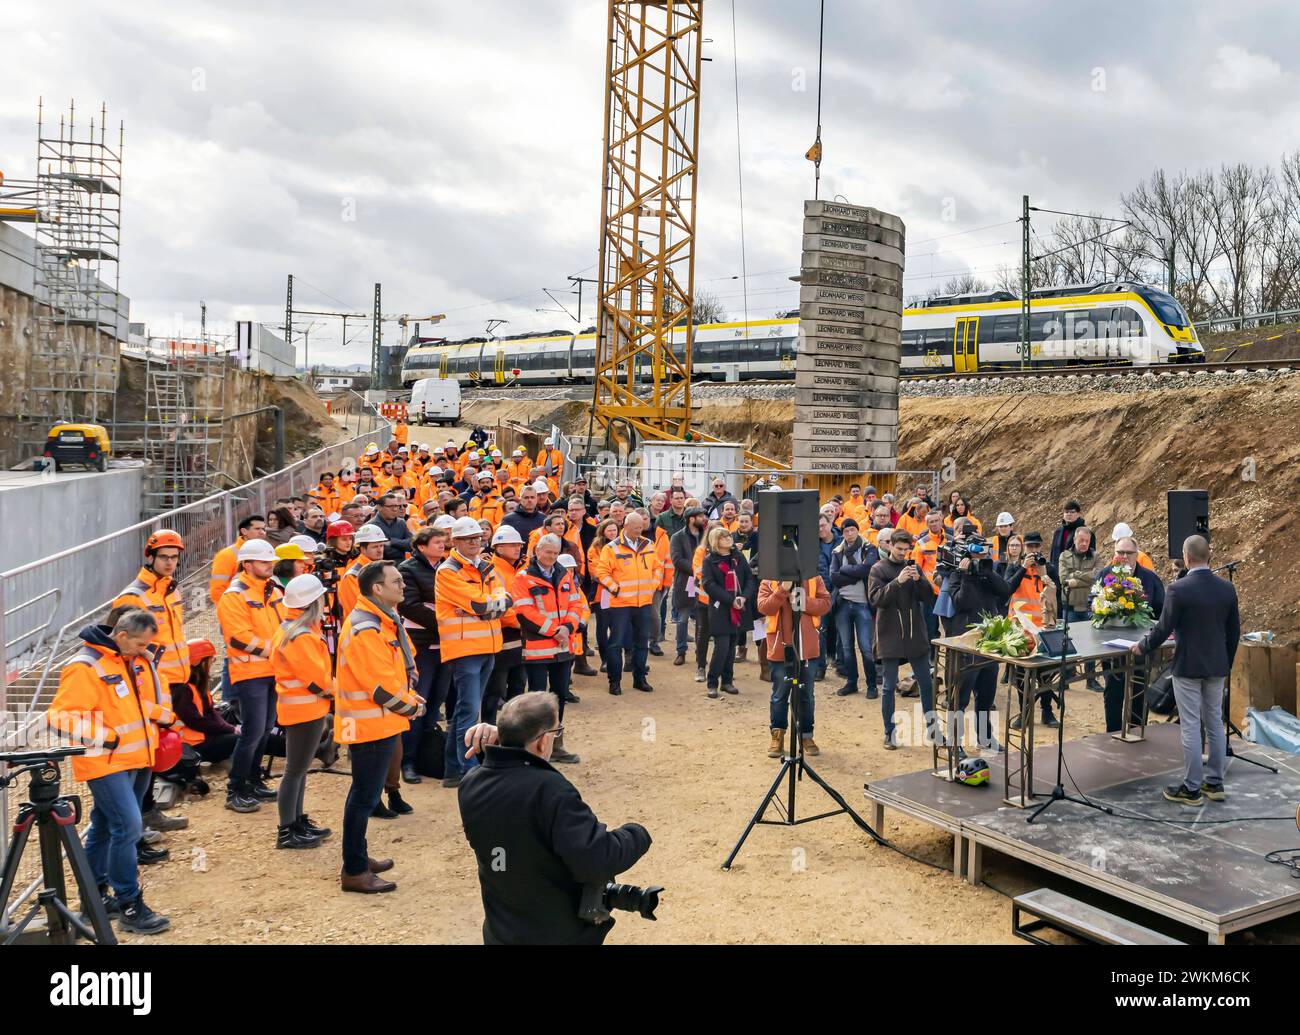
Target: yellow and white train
<point>1104,324</point>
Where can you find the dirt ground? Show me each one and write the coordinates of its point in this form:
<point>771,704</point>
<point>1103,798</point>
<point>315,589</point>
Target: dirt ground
<point>689,768</point>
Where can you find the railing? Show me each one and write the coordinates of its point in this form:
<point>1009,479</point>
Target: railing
<point>1240,323</point>
<point>44,604</point>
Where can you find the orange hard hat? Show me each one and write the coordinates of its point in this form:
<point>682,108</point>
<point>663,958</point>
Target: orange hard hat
<point>163,537</point>
<point>201,648</point>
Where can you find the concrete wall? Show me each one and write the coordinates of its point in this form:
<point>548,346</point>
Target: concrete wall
<point>40,516</point>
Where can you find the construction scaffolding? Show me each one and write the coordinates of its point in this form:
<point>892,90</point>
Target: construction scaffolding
<point>78,236</point>
<point>184,405</point>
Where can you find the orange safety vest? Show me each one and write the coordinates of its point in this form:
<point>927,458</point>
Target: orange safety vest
<point>630,573</point>
<point>662,551</point>
<point>224,566</point>
<point>303,677</point>
<point>1027,599</point>
<point>329,500</point>
<point>250,612</point>
<point>374,698</point>
<point>349,590</point>
<point>551,462</point>
<point>400,432</point>
<point>469,602</point>
<point>547,606</point>
<point>202,705</point>
<point>979,527</point>
<point>490,508</point>
<point>160,597</point>
<point>926,555</point>
<point>810,587</point>
<point>101,694</point>
<point>697,568</point>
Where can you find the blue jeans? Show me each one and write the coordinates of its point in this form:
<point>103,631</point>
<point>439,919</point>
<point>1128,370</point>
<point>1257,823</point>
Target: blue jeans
<point>681,620</point>
<point>470,674</point>
<point>854,618</point>
<point>779,711</point>
<point>115,829</point>
<point>256,717</point>
<point>370,763</point>
<point>924,683</point>
<point>629,629</point>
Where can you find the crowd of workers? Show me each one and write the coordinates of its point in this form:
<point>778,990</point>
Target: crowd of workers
<point>404,599</point>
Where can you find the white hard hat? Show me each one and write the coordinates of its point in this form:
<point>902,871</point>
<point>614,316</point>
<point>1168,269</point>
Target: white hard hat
<point>305,543</point>
<point>444,523</point>
<point>518,451</point>
<point>485,474</point>
<point>541,486</point>
<point>402,449</point>
<point>424,446</point>
<point>567,560</point>
<point>506,534</point>
<point>371,448</point>
<point>302,590</point>
<point>256,550</point>
<point>1121,531</point>
<point>496,452</point>
<point>434,470</point>
<point>1005,519</point>
<point>369,534</point>
<point>466,528</point>
<point>549,442</point>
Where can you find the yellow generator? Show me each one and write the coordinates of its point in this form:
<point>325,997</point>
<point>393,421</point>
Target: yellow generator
<point>84,445</point>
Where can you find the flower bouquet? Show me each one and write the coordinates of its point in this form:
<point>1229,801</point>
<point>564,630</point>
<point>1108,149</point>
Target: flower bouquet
<point>1118,601</point>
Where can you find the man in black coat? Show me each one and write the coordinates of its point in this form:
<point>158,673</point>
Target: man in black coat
<point>1200,609</point>
<point>899,593</point>
<point>1063,537</point>
<point>416,611</point>
<point>537,842</point>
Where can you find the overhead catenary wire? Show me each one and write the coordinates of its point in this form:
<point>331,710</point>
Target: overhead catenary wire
<point>740,173</point>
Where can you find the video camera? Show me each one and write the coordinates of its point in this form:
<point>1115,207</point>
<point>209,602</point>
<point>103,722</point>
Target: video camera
<point>974,547</point>
<point>329,565</point>
<point>598,900</point>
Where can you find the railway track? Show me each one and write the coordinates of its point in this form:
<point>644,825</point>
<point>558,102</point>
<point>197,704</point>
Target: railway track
<point>562,392</point>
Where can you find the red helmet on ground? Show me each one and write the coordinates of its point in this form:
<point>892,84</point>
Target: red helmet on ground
<point>169,751</point>
<point>201,648</point>
<point>163,537</point>
<point>339,528</point>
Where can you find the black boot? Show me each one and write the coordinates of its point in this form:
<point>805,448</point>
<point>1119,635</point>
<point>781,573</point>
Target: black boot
<point>583,668</point>
<point>308,827</point>
<point>111,905</point>
<point>397,804</point>
<point>138,917</point>
<point>146,856</point>
<point>261,791</point>
<point>240,799</point>
<point>382,811</point>
<point>409,773</point>
<point>293,837</point>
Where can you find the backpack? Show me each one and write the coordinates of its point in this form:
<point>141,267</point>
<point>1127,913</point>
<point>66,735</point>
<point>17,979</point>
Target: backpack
<point>430,754</point>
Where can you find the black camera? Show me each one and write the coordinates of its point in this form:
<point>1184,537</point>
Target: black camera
<point>974,547</point>
<point>329,565</point>
<point>599,900</point>
<point>1038,559</point>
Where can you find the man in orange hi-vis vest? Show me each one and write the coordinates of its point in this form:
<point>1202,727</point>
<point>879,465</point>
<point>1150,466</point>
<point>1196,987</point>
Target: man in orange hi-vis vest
<point>469,602</point>
<point>631,570</point>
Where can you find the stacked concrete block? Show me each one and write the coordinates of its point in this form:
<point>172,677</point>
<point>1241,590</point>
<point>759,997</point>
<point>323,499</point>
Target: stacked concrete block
<point>850,333</point>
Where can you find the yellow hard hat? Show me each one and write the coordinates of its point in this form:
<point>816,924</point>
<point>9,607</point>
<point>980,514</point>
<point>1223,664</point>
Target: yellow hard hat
<point>290,552</point>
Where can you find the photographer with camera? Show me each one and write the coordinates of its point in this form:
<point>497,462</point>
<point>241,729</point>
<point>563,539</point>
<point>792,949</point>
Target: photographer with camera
<point>1033,595</point>
<point>899,592</point>
<point>538,844</point>
<point>976,590</point>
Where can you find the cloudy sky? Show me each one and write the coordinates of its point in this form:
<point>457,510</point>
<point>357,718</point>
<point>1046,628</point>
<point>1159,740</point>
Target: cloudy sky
<point>452,151</point>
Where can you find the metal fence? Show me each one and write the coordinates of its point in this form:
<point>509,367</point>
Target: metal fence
<point>44,604</point>
<point>1239,323</point>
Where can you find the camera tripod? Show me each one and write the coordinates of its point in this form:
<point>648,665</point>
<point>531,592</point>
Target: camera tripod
<point>1233,729</point>
<point>793,764</point>
<point>56,818</point>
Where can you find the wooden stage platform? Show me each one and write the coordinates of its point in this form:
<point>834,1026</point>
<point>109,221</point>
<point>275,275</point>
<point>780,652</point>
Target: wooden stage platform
<point>1209,875</point>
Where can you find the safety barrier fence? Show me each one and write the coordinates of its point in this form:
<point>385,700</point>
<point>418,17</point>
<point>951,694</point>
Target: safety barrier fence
<point>45,604</point>
<point>1238,323</point>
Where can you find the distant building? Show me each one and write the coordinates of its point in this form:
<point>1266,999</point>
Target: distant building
<point>257,347</point>
<point>329,381</point>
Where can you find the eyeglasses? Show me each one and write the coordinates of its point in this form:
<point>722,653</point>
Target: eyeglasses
<point>1126,553</point>
<point>557,731</point>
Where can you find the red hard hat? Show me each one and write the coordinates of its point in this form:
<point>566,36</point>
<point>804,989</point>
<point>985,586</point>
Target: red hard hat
<point>164,537</point>
<point>201,648</point>
<point>169,751</point>
<point>339,528</point>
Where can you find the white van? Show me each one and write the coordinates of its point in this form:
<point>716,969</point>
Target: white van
<point>435,400</point>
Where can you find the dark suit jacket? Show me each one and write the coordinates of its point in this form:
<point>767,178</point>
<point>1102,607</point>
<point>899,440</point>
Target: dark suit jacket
<point>1201,609</point>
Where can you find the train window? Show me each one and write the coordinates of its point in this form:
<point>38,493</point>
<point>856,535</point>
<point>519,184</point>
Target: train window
<point>938,337</point>
<point>766,350</point>
<point>1078,324</point>
<point>1039,328</point>
<point>1008,328</point>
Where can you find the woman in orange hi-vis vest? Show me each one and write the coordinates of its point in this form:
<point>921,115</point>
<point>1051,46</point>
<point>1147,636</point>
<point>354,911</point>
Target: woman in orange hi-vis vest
<point>606,533</point>
<point>304,683</point>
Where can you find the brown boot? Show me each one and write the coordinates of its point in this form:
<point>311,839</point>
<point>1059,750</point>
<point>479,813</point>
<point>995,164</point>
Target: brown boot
<point>764,667</point>
<point>742,653</point>
<point>777,748</point>
<point>810,746</point>
<point>379,865</point>
<point>366,883</point>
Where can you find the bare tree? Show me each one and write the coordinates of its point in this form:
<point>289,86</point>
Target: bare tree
<point>706,307</point>
<point>963,284</point>
<point>1237,205</point>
